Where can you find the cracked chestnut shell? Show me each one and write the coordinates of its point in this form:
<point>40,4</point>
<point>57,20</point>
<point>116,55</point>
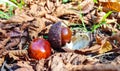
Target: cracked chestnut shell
<point>59,35</point>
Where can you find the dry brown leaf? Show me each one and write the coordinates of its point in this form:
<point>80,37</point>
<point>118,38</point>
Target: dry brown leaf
<point>50,6</point>
<point>115,37</point>
<point>20,18</point>
<point>102,45</point>
<point>16,33</point>
<point>12,43</point>
<point>96,67</point>
<point>87,5</point>
<point>98,40</point>
<point>93,49</point>
<point>24,69</point>
<point>90,18</point>
<point>58,61</point>
<point>33,9</point>
<point>13,56</point>
<point>3,33</point>
<point>4,42</point>
<point>62,10</point>
<point>18,52</point>
<point>37,10</point>
<point>36,18</point>
<point>3,52</point>
<point>52,18</point>
<point>36,27</point>
<point>1,61</point>
<point>40,65</point>
<point>24,66</point>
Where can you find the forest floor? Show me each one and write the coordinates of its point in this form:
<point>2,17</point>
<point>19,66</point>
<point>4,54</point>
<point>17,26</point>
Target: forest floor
<point>95,41</point>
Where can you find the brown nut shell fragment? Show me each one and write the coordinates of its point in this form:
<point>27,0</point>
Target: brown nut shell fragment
<point>54,36</point>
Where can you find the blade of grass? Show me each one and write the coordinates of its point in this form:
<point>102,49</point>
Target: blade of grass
<point>103,21</point>
<point>105,16</point>
<point>94,27</point>
<point>20,5</point>
<point>9,2</point>
<point>81,17</point>
<point>4,15</point>
<point>95,1</point>
<point>10,12</point>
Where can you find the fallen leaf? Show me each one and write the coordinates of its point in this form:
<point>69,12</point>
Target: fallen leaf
<point>58,61</point>
<point>105,47</point>
<point>111,4</point>
<point>24,69</point>
<point>20,18</point>
<point>87,5</point>
<point>94,67</point>
<point>40,65</point>
<point>36,27</point>
<point>98,40</point>
<point>24,66</point>
<point>1,61</point>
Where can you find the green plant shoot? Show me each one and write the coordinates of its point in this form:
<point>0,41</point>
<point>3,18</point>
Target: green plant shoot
<point>103,21</point>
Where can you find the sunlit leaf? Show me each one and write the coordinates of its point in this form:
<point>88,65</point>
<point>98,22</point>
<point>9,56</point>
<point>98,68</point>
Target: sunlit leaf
<point>105,47</point>
<point>112,4</point>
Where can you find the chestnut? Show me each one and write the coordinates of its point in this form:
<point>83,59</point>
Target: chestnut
<point>39,48</point>
<point>65,35</point>
<point>59,35</point>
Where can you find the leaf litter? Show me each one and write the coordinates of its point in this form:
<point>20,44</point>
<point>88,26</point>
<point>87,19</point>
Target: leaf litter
<point>102,52</point>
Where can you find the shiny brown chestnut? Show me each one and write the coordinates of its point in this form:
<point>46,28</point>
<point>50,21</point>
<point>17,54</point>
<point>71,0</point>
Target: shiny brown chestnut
<point>39,48</point>
<point>59,35</point>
